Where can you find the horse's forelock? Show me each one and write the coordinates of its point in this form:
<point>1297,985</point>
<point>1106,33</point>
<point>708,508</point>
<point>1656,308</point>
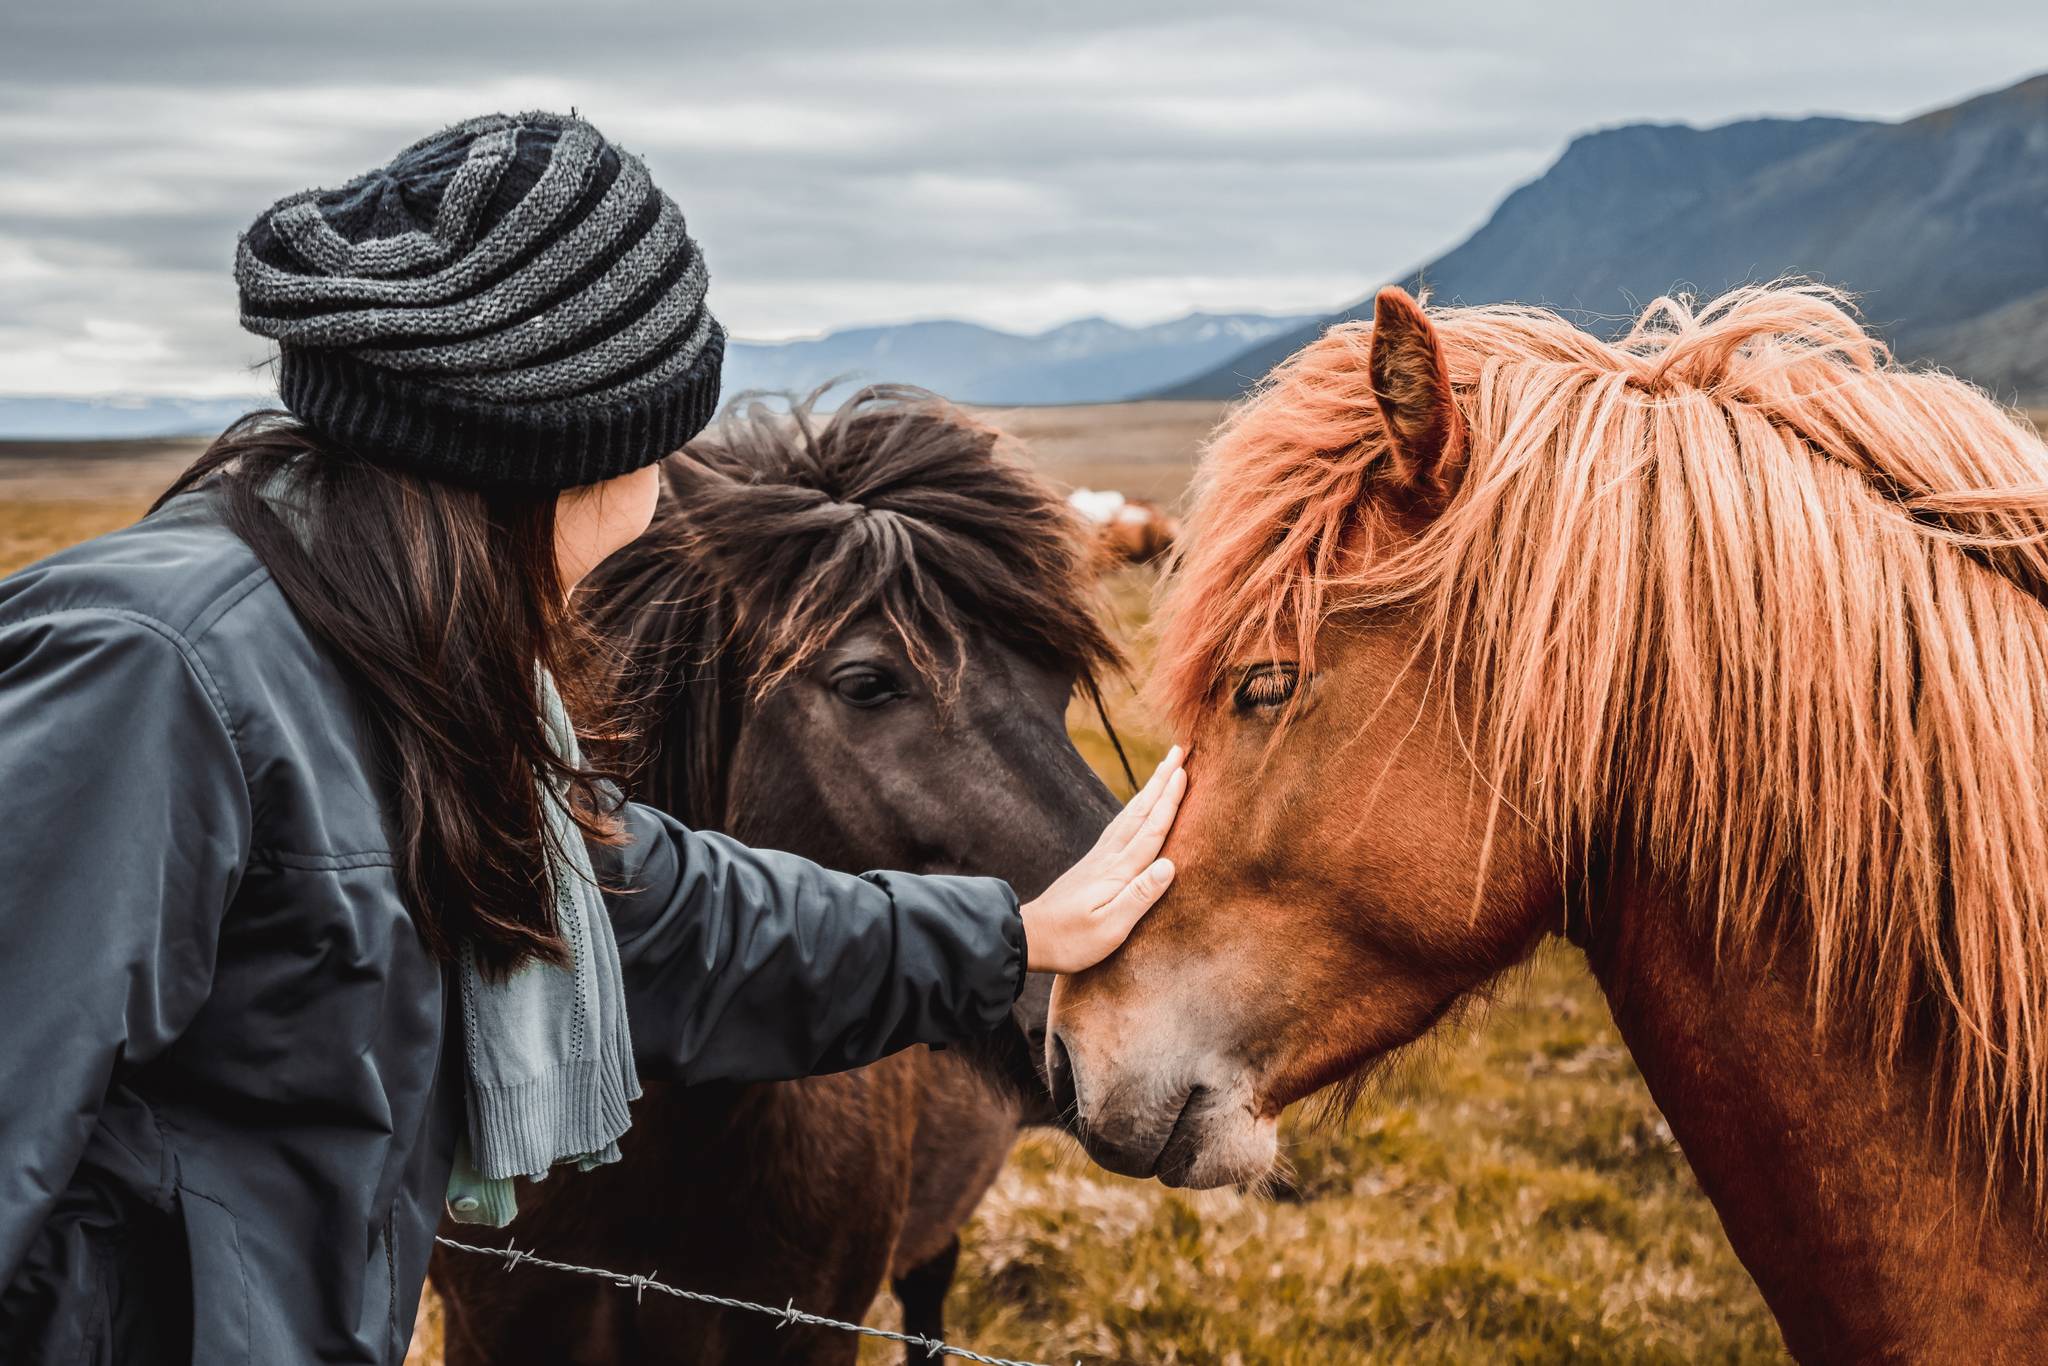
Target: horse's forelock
<point>897,505</point>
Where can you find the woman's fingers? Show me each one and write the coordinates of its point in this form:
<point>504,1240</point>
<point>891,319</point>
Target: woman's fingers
<point>1128,907</point>
<point>1150,836</point>
<point>1126,822</point>
<point>1140,807</point>
<point>1165,806</point>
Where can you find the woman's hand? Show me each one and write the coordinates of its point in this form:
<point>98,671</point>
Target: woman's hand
<point>1082,918</point>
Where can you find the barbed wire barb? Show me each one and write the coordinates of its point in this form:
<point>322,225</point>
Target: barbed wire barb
<point>789,1313</point>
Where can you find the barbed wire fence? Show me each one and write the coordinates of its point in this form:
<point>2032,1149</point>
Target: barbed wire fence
<point>789,1314</point>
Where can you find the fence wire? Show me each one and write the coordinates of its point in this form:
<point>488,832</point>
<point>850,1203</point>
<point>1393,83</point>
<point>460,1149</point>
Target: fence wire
<point>789,1313</point>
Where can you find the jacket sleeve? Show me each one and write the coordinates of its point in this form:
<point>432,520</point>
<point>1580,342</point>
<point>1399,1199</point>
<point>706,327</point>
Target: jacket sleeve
<point>124,825</point>
<point>748,965</point>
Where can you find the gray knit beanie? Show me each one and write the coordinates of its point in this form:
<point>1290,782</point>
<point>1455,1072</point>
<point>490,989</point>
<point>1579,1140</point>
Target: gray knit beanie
<point>510,303</point>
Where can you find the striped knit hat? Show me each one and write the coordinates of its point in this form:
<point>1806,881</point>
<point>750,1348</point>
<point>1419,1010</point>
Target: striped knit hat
<point>509,303</point>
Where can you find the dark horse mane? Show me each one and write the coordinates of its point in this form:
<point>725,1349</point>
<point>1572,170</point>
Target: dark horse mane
<point>780,527</point>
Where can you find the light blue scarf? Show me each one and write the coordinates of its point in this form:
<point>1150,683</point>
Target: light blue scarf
<point>549,1057</point>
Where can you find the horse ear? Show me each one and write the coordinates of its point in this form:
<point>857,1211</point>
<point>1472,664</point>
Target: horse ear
<point>1413,387</point>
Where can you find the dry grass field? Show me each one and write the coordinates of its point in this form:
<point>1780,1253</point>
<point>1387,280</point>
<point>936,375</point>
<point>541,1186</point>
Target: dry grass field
<point>1508,1195</point>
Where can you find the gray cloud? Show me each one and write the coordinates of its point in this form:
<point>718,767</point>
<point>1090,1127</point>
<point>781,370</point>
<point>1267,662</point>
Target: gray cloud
<point>1018,165</point>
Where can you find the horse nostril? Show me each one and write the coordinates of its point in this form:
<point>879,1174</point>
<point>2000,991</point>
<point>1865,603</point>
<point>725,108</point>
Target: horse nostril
<point>1060,1081</point>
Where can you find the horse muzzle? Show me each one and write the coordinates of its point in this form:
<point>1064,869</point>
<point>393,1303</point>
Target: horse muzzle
<point>1187,1126</point>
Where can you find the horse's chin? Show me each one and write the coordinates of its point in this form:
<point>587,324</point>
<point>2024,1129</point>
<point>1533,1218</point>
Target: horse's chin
<point>1227,1148</point>
<point>1200,1138</point>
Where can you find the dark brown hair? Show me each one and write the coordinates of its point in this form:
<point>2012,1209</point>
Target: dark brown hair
<point>442,602</point>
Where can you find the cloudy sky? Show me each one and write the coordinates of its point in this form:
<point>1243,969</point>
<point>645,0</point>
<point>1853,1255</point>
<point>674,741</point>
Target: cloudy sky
<point>1016,164</point>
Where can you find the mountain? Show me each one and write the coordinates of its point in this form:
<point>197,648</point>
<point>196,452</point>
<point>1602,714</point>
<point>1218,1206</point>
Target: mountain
<point>1938,223</point>
<point>69,419</point>
<point>2006,349</point>
<point>1089,361</point>
<point>1093,360</point>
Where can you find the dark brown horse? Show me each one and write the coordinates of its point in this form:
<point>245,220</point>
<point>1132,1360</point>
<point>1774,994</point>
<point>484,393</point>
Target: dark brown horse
<point>1720,652</point>
<point>860,637</point>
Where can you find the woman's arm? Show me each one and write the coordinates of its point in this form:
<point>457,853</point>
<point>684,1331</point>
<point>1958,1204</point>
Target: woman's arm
<point>124,824</point>
<point>749,965</point>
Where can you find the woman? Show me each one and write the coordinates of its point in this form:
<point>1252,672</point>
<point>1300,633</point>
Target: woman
<point>313,915</point>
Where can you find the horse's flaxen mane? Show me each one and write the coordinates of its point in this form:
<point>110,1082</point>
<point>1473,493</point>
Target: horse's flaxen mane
<point>781,526</point>
<point>1734,593</point>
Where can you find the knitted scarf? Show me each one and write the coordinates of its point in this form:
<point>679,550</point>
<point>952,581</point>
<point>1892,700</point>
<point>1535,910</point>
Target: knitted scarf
<point>549,1058</point>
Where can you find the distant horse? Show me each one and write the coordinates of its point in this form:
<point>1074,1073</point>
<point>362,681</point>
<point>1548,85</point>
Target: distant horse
<point>860,635</point>
<point>1129,530</point>
<point>1720,651</point>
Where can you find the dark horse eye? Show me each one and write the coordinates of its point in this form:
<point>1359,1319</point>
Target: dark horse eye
<point>1265,686</point>
<point>863,685</point>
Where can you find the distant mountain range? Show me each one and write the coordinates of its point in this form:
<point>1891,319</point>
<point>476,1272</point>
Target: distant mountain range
<point>1089,361</point>
<point>33,418</point>
<point>1939,224</point>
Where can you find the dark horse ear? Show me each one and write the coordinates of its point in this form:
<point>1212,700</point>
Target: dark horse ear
<point>1413,387</point>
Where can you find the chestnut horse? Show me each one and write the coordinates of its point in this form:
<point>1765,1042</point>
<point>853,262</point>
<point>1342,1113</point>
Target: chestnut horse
<point>1130,530</point>
<point>1719,650</point>
<point>860,636</point>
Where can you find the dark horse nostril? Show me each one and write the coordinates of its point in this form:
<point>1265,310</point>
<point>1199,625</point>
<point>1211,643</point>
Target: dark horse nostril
<point>1061,1081</point>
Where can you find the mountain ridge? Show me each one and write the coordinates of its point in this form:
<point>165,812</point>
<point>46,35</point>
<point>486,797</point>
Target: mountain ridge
<point>1086,360</point>
<point>1937,223</point>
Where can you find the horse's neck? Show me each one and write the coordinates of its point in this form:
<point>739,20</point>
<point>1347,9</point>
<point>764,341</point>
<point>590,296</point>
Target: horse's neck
<point>1868,1241</point>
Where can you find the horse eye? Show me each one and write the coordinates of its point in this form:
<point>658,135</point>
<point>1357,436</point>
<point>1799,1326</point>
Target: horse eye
<point>1265,686</point>
<point>860,685</point>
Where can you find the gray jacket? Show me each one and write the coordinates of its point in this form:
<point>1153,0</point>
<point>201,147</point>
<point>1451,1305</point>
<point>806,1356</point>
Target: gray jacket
<point>229,1090</point>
